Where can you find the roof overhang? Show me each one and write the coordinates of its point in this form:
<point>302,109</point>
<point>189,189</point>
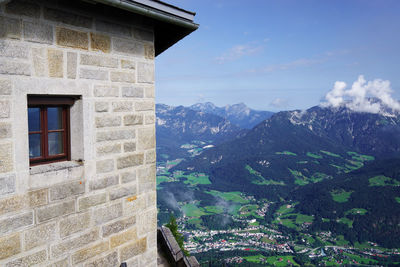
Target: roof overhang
<point>171,23</point>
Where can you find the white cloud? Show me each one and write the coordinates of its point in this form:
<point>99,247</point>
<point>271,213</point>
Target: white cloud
<point>362,95</point>
<point>279,103</point>
<point>239,51</point>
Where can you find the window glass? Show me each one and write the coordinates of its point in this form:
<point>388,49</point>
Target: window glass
<point>56,145</point>
<point>54,118</point>
<point>34,119</point>
<point>34,145</point>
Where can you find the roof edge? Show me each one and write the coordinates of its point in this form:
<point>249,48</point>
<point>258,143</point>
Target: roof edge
<point>160,11</point>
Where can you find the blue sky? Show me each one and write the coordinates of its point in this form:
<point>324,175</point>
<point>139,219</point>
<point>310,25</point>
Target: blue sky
<point>279,54</point>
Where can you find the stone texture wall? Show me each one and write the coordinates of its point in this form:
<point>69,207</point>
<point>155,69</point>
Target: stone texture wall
<point>100,208</point>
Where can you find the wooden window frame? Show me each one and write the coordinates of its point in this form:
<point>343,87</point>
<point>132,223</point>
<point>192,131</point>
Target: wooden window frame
<point>45,102</point>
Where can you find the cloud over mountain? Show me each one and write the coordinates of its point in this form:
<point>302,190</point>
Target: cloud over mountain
<point>363,96</point>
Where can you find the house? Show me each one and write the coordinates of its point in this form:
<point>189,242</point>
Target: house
<point>77,129</point>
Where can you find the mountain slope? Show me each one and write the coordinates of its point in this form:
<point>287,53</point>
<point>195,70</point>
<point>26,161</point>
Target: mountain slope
<point>295,148</point>
<point>238,114</point>
<point>179,125</point>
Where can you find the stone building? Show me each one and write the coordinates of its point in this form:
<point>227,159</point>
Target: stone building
<point>77,129</point>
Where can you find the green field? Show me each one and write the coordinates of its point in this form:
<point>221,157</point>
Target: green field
<point>382,180</point>
<point>300,179</point>
<point>315,156</point>
<point>341,196</point>
<point>191,210</point>
<point>288,153</point>
<point>356,211</point>
<point>196,178</point>
<point>398,199</point>
<point>229,196</point>
<point>360,157</point>
<point>346,221</point>
<point>272,260</point>
<point>214,209</point>
<point>330,154</point>
<point>285,209</point>
<point>259,179</point>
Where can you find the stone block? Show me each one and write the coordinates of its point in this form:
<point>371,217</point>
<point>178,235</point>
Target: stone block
<point>10,245</point>
<point>144,106</point>
<point>91,201</point>
<point>128,64</point>
<point>130,161</point>
<point>128,47</point>
<point>146,138</point>
<point>107,121</point>
<point>115,135</point>
<point>14,49</point>
<point>130,120</point>
<point>129,147</point>
<point>128,177</point>
<point>15,68</point>
<point>125,77</point>
<point>24,8</point>
<point>12,204</point>
<point>38,32</point>
<point>72,63</point>
<point>40,235</point>
<point>93,74</point>
<point>118,226</point>
<point>124,237</point>
<point>56,63</point>
<point>143,34</point>
<point>62,191</point>
<point>40,59</point>
<point>132,91</point>
<point>30,260</point>
<point>122,191</point>
<point>106,214</point>
<point>145,72</point>
<point>146,188</point>
<point>74,223</point>
<point>10,28</point>
<point>103,166</point>
<point>100,42</point>
<point>74,243</point>
<point>149,119</point>
<point>149,51</point>
<point>37,198</point>
<point>61,263</point>
<point>67,18</point>
<point>17,222</point>
<point>101,106</point>
<point>114,29</point>
<point>151,200</point>
<point>4,109</point>
<point>147,174</point>
<point>106,261</point>
<point>6,155</point>
<point>102,183</point>
<point>55,210</point>
<point>5,87</point>
<point>87,253</point>
<point>122,106</point>
<point>147,222</point>
<point>71,38</point>
<point>7,184</point>
<point>106,91</point>
<point>133,249</point>
<point>150,156</point>
<point>108,149</point>
<point>150,92</point>
<point>99,61</point>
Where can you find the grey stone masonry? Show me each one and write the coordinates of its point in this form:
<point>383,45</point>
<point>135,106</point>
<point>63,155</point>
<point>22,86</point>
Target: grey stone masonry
<point>99,207</point>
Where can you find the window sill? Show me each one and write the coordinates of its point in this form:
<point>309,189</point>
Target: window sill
<point>56,166</point>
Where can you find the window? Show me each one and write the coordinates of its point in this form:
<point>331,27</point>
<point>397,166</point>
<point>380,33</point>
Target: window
<point>49,128</point>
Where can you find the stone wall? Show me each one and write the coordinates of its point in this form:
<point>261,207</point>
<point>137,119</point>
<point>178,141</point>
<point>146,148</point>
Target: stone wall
<point>99,209</point>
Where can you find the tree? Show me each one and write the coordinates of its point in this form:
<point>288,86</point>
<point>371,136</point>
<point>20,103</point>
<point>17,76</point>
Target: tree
<point>173,226</point>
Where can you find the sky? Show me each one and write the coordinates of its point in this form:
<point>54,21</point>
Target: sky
<point>279,54</point>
